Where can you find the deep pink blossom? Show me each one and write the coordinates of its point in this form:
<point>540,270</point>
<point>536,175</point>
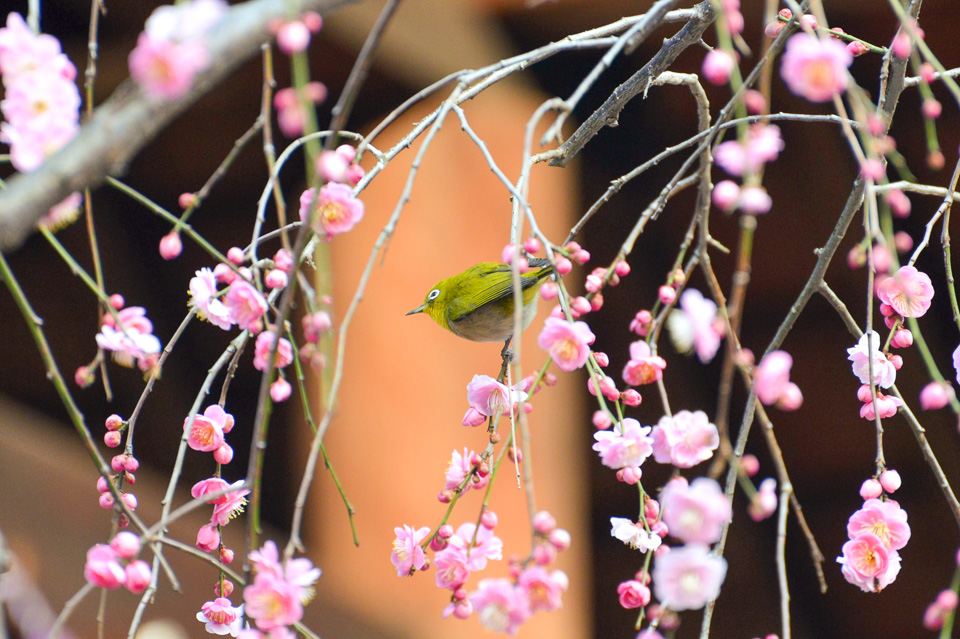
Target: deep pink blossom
<point>208,538</point>
<point>336,209</point>
<point>884,372</point>
<point>686,578</point>
<point>210,485</point>
<point>245,305</point>
<point>500,606</point>
<point>265,341</point>
<point>815,68</point>
<point>908,291</point>
<point>220,617</point>
<point>568,343</point>
<point>407,554</point>
<point>633,594</point>
<point>103,569</point>
<point>868,564</point>
<point>643,367</point>
<point>885,519</point>
<point>206,431</point>
<point>695,512</point>
<point>137,576</point>
<point>626,446</point>
<point>231,506</point>
<point>885,405</point>
<point>290,114</point>
<point>684,440</point>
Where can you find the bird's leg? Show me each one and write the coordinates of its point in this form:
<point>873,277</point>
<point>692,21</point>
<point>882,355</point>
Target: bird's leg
<point>507,355</point>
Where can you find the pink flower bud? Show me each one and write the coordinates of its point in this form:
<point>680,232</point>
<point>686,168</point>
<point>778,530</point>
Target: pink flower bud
<point>283,260</point>
<point>808,21</point>
<point>593,284</point>
<point>931,108</point>
<point>947,599</point>
<point>549,290</point>
<point>581,257</point>
<point>332,166</point>
<point>544,554</point>
<point>890,480</point>
<point>437,544</point>
<point>186,200</point>
<point>235,255</point>
<point>473,417</point>
<point>130,500</point>
<point>445,531</point>
<point>125,544</point>
<point>936,395</point>
<point>773,29</point>
<point>717,66</point>
<point>293,37</point>
<point>629,475</point>
<point>750,464</point>
<point>927,72</point>
<point>863,393</point>
<point>857,48</point>
<point>106,501</point>
<point>544,523</point>
<point>355,173</point>
<point>488,519</point>
<point>901,45</point>
<point>755,103</point>
<point>902,241</point>
<point>560,539</point>
<point>790,398</point>
<point>602,420</point>
<point>725,195</point>
<point>532,245</point>
<point>581,305</point>
<point>102,486</point>
<point>224,274</point>
<point>872,169</point>
<point>631,397</point>
<point>114,422</point>
<point>935,160</point>
<point>564,265</point>
<point>622,269</point>
<point>117,463</point>
<point>870,489</point>
<point>227,588</point>
<point>463,609</point>
<point>276,279</point>
<point>280,390</point>
<point>896,360</point>
<point>660,529</point>
<point>445,496</point>
<point>224,454</point>
<point>754,200</point>
<point>170,246</point>
<point>902,338</point>
<point>137,576</point>
<point>208,538</point>
<point>603,360</point>
<point>666,294</point>
<point>112,438</point>
<point>633,594</point>
<point>651,510</point>
<point>226,555</point>
<point>596,302</point>
<point>735,22</point>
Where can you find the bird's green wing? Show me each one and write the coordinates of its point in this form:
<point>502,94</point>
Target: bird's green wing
<point>496,283</point>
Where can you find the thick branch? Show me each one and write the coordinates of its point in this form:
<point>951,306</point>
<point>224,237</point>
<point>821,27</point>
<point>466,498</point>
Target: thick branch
<point>127,121</point>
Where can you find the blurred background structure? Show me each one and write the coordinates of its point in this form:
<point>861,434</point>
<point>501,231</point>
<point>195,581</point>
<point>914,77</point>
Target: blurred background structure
<point>403,392</point>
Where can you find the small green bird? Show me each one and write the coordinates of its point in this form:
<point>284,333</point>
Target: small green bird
<point>478,303</point>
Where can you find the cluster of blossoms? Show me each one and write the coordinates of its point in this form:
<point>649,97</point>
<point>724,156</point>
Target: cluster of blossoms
<point>274,600</point>
<point>315,326</point>
<point>745,158</point>
<point>114,565</point>
<point>171,49</point>
<point>240,304</point>
<point>128,335</point>
<point>334,209</point>
<point>876,532</point>
<point>124,466</point>
<point>501,604</point>
<point>940,610</point>
<point>206,432</point>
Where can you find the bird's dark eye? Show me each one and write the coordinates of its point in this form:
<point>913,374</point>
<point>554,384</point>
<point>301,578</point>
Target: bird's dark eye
<point>434,294</point>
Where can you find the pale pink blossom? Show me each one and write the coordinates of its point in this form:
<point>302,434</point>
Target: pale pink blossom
<point>868,564</point>
<point>336,210</point>
<point>500,606</point>
<point>885,519</point>
<point>231,507</point>
<point>643,367</point>
<point>245,305</point>
<point>692,325</point>
<point>543,589</point>
<point>695,512</point>
<point>265,341</point>
<point>754,200</point>
<point>815,68</point>
<point>293,37</point>
<point>568,343</point>
<point>633,534</point>
<point>686,578</point>
<point>633,594</point>
<point>772,376</point>
<point>407,555</point>
<point>206,431</point>
<point>936,395</point>
<point>131,339</point>
<point>458,469</point>
<point>266,559</point>
<point>684,440</point>
<point>31,145</point>
<point>486,546</point>
<point>272,602</point>
<point>626,446</point>
<point>290,114</point>
<point>764,502</point>
<point>103,568</point>
<point>203,291</point>
<point>166,69</point>
<point>220,617</point>
<point>489,397</point>
<point>23,51</point>
<point>867,348</point>
<point>717,66</point>
<point>760,144</point>
<point>39,99</point>
<point>908,291</point>
<point>451,566</point>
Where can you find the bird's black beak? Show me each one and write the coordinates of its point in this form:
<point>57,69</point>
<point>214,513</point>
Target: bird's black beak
<point>418,309</point>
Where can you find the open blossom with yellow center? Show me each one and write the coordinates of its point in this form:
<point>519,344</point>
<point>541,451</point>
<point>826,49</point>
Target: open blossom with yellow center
<point>335,209</point>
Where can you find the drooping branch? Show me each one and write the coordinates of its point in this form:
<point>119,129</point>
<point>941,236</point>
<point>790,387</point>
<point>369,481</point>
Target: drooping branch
<point>129,119</point>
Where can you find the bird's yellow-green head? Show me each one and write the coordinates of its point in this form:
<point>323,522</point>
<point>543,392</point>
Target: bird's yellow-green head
<point>478,304</point>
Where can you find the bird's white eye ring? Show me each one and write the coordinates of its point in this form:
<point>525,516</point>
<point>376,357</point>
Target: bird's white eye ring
<point>434,294</point>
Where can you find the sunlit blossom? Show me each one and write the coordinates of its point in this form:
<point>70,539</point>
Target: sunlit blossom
<point>627,445</point>
<point>634,534</point>
<point>884,372</point>
<point>695,512</point>
<point>684,440</point>
<point>568,343</point>
<point>407,555</point>
<point>908,291</point>
<point>686,578</point>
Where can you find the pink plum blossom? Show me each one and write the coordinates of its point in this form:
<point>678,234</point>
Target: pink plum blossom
<point>684,440</point>
<point>336,209</point>
<point>633,594</point>
<point>23,51</point>
<point>754,200</point>
<point>290,114</point>
<point>643,367</point>
<point>691,326</point>
<point>764,502</point>
<point>634,535</point>
<point>131,338</point>
<point>245,305</point>
<point>103,568</point>
<point>485,546</point>
<point>203,291</point>
<point>686,578</point>
<point>868,564</point>
<point>885,405</point>
<point>908,291</point>
<point>231,506</point>
<point>407,555</point>
<point>126,544</point>
<point>451,568</point>
<point>272,602</point>
<point>500,606</point>
<point>815,68</point>
<point>137,576</point>
<point>695,512</point>
<point>884,372</point>
<point>207,486</point>
<point>761,144</point>
<point>206,431</point>
<point>543,589</point>
<point>208,538</point>
<point>627,446</point>
<point>458,469</point>
<point>772,376</point>
<point>489,397</point>
<point>265,341</point>
<point>220,617</point>
<point>568,343</point>
<point>885,519</point>
<point>717,66</point>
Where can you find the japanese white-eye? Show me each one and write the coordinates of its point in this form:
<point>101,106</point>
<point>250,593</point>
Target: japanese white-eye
<point>478,304</point>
